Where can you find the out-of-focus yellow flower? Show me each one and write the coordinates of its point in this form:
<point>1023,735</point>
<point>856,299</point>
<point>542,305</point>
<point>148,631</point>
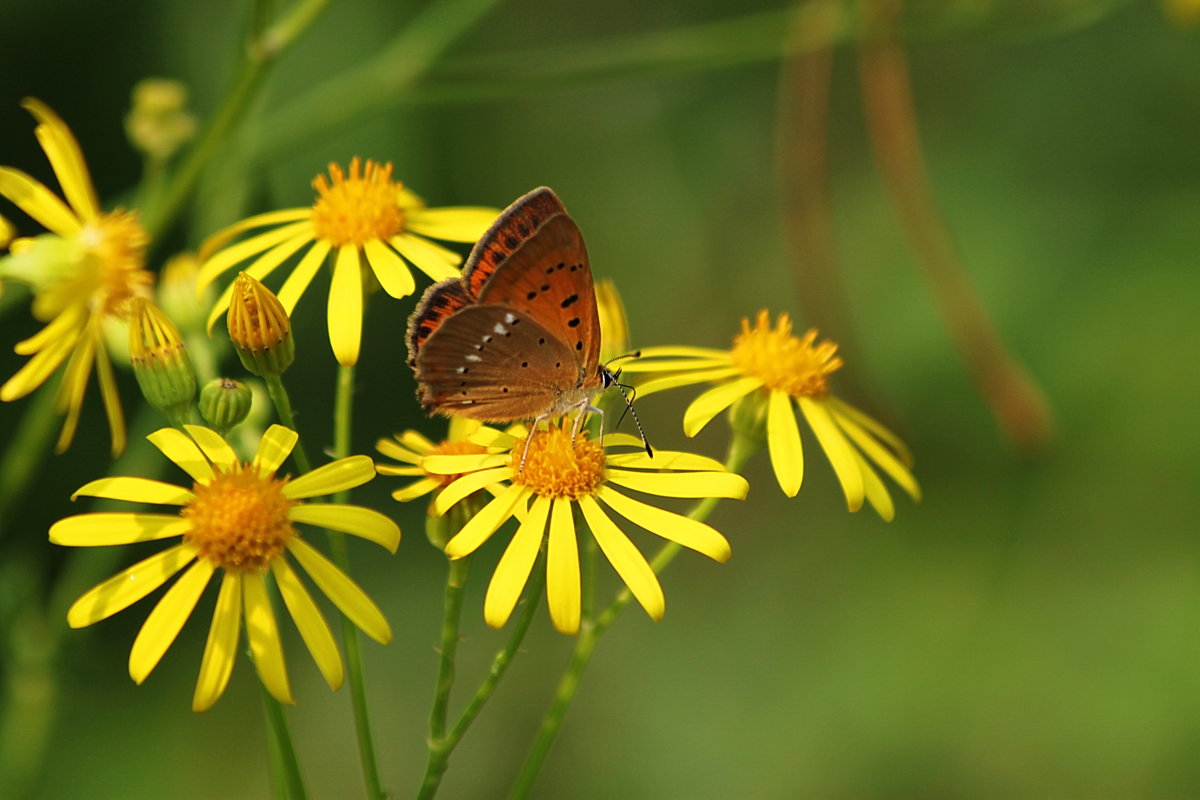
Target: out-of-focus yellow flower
<point>366,220</point>
<point>551,475</point>
<point>239,519</point>
<point>777,373</point>
<point>158,122</point>
<point>83,274</point>
<point>614,325</point>
<point>160,360</point>
<point>1184,13</point>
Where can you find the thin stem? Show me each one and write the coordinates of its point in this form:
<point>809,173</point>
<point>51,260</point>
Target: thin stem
<point>285,767</point>
<point>28,448</point>
<point>261,54</point>
<point>741,447</point>
<point>440,750</point>
<point>342,421</point>
<point>452,603</point>
<point>1016,400</point>
<point>283,407</point>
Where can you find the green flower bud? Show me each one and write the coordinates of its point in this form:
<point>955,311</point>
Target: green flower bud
<point>225,403</point>
<point>259,328</point>
<point>160,361</point>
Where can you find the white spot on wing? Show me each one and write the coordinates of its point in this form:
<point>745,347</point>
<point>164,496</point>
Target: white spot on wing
<point>472,357</point>
<point>510,318</point>
<point>500,328</point>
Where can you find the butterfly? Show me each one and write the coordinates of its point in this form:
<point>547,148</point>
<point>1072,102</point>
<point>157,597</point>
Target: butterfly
<point>517,336</point>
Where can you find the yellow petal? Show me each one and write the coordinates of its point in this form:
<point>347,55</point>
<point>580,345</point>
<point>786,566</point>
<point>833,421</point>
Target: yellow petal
<point>681,484</point>
<point>66,159</point>
<point>462,463</point>
<point>390,270</point>
<point>562,569</point>
<point>647,388</point>
<point>164,622</point>
<point>273,449</point>
<point>512,573</point>
<point>136,490</point>
<point>110,400</point>
<point>870,446</point>
<point>416,489</point>
<point>35,371</point>
<point>468,485</point>
<point>362,522</point>
<point>344,593</point>
<point>629,563</point>
<point>876,429</point>
<point>217,664</point>
<point>336,476</point>
<point>491,437</point>
<point>877,493</point>
<point>783,442</point>
<point>452,223</point>
<point>310,622</point>
<point>393,449</point>
<point>294,235</point>
<point>683,530</point>
<point>176,446</point>
<point>402,471</point>
<point>128,586</point>
<point>641,364</point>
<point>262,634</point>
<point>345,306</point>
<point>663,459</point>
<point>302,275</point>
<point>837,449</point>
<point>714,401</point>
<point>67,325</point>
<point>680,351</point>
<point>214,447</point>
<point>434,260</point>
<point>218,240</point>
<point>116,527</point>
<point>69,398</point>
<point>38,202</point>
<point>481,526</point>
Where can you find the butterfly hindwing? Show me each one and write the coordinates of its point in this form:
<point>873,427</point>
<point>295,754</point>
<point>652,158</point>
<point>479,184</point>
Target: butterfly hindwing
<point>439,302</point>
<point>513,227</point>
<point>493,363</point>
<point>549,278</point>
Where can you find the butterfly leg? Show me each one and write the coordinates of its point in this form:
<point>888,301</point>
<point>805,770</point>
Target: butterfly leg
<point>528,438</point>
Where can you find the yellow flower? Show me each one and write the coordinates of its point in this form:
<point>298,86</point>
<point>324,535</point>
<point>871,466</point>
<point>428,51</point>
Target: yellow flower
<point>776,373</point>
<point>240,519</point>
<point>82,275</point>
<point>412,446</point>
<point>1184,13</point>
<point>614,325</point>
<point>550,478</point>
<point>364,218</point>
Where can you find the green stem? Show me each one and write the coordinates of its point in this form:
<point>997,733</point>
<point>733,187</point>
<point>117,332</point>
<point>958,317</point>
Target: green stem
<point>441,749</point>
<point>285,768</point>
<point>741,447</point>
<point>26,451</point>
<point>283,407</point>
<point>262,52</point>
<point>452,603</point>
<point>342,420</point>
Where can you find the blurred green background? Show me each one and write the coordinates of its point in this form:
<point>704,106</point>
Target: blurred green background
<point>1028,630</point>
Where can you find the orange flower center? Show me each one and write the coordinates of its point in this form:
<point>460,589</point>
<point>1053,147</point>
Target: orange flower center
<point>118,242</point>
<point>240,519</point>
<point>358,208</point>
<point>556,466</point>
<point>448,448</point>
<point>794,365</point>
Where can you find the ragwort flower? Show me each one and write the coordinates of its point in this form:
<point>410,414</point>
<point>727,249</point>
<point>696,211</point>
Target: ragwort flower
<point>366,220</point>
<point>551,477</point>
<point>779,373</point>
<point>411,447</point>
<point>237,518</point>
<point>84,273</point>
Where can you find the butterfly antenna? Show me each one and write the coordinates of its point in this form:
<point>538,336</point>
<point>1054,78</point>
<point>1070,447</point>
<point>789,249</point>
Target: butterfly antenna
<point>621,387</point>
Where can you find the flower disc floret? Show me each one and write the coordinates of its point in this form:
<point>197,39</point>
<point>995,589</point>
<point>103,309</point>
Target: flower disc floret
<point>558,464</point>
<point>240,519</point>
<point>357,208</point>
<point>797,366</point>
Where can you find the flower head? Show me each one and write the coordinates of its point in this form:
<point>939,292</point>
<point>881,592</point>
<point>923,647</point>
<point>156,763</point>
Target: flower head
<point>259,328</point>
<point>366,220</point>
<point>160,360</point>
<point>239,519</point>
<point>546,481</point>
<point>771,373</point>
<point>411,447</point>
<point>83,273</point>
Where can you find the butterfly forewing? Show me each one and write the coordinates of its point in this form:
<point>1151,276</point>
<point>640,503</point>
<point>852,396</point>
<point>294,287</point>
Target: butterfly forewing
<point>511,229</point>
<point>549,279</point>
<point>493,363</point>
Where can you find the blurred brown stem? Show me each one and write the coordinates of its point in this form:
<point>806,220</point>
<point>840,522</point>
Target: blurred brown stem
<point>1013,395</point>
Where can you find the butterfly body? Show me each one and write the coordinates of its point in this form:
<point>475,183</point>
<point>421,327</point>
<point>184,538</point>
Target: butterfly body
<point>517,337</point>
